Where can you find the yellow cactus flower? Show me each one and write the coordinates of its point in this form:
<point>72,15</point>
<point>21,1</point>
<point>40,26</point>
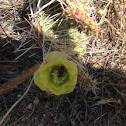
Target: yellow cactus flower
<point>58,76</point>
<point>54,55</point>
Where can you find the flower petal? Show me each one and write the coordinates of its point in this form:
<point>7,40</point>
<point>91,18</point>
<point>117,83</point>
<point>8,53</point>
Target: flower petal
<point>45,81</point>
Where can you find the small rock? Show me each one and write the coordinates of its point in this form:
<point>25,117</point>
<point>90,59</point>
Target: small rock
<point>124,67</point>
<point>36,101</point>
<point>113,64</point>
<point>30,106</point>
<point>19,95</point>
<point>96,66</point>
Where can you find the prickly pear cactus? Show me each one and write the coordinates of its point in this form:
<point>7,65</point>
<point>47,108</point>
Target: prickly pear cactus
<point>65,34</point>
<point>79,11</point>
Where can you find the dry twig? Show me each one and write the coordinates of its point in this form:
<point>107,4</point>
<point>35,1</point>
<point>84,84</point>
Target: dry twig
<point>6,87</point>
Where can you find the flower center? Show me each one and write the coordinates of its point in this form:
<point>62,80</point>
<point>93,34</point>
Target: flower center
<point>59,75</point>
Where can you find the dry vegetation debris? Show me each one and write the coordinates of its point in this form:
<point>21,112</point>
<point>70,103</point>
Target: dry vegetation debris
<point>104,59</point>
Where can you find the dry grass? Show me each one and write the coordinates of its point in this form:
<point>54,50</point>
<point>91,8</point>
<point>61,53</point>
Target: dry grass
<point>23,45</point>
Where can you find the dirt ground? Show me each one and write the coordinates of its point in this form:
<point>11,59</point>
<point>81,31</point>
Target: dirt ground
<point>104,58</point>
